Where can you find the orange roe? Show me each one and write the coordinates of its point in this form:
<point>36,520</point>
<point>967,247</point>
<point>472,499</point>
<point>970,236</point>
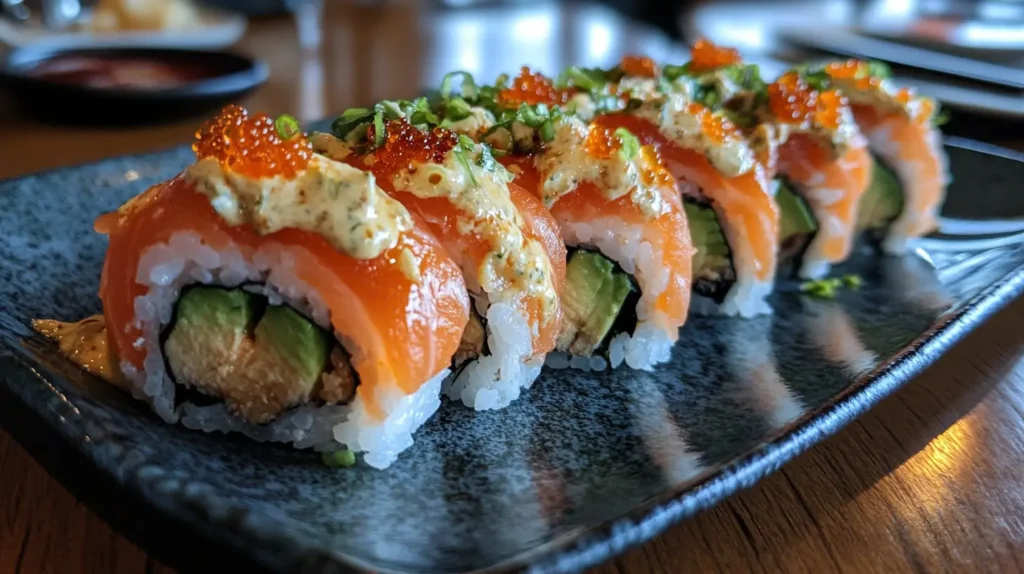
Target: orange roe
<point>854,71</point>
<point>601,142</point>
<point>656,173</point>
<point>716,127</point>
<point>404,146</point>
<point>639,66</point>
<point>251,146</point>
<point>532,88</point>
<point>707,57</point>
<point>792,101</point>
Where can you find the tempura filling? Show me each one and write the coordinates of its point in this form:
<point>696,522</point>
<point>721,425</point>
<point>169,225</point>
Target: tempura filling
<point>260,359</point>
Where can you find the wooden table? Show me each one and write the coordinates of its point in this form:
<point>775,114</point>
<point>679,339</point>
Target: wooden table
<point>930,480</point>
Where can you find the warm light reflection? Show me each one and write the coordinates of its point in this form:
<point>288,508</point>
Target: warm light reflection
<point>934,472</point>
<point>833,329</point>
<point>761,387</point>
<point>664,440</point>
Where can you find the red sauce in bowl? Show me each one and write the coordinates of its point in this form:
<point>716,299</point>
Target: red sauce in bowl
<point>130,73</point>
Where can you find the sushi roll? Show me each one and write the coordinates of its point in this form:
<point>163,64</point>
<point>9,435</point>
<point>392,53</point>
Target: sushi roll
<point>273,291</point>
<point>628,275</point>
<point>911,166</point>
<point>806,138</point>
<point>505,242</point>
<point>724,187</point>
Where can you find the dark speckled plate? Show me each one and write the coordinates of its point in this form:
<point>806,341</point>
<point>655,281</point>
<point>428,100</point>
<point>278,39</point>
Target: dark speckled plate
<point>579,469</point>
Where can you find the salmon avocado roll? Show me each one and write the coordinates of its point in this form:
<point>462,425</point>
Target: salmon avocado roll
<point>911,168</point>
<point>504,240</point>
<point>616,205</point>
<point>274,291</point>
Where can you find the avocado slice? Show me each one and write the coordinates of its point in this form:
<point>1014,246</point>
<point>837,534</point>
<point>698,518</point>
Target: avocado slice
<point>713,273</point>
<point>259,365</point>
<point>882,202</point>
<point>796,222</point>
<point>594,294</point>
<point>296,339</point>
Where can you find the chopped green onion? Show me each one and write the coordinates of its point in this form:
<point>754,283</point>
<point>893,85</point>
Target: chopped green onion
<point>378,129</point>
<point>466,142</point>
<point>710,98</point>
<point>941,117</point>
<point>630,144</point>
<point>456,109</point>
<point>287,126</point>
<point>392,110</point>
<point>878,69</point>
<point>468,87</point>
<point>547,131</point>
<point>501,82</point>
<point>349,120</point>
<point>460,156</point>
<point>853,281</point>
<point>634,104</point>
<point>673,73</point>
<point>338,458</point>
<point>819,80</point>
<point>588,79</point>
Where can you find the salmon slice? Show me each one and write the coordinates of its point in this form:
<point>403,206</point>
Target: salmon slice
<point>668,236</point>
<point>913,147</point>
<point>833,188</point>
<point>472,248</point>
<point>400,329</point>
<point>745,207</point>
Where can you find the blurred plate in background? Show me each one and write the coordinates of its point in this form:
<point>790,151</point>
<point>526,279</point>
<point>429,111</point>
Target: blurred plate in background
<point>122,86</point>
<point>218,29</point>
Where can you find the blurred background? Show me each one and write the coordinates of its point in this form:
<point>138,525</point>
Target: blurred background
<point>314,58</point>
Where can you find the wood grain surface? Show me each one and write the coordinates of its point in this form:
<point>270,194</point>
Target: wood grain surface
<point>928,481</point>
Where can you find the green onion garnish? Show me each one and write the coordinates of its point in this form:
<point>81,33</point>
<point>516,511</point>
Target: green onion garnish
<point>853,281</point>
<point>941,117</point>
<point>460,155</point>
<point>338,458</point>
<point>349,120</point>
<point>588,79</point>
<point>673,73</point>
<point>287,126</point>
<point>468,87</point>
<point>378,129</point>
<point>456,109</point>
<point>630,144</point>
<point>878,69</point>
<point>547,131</point>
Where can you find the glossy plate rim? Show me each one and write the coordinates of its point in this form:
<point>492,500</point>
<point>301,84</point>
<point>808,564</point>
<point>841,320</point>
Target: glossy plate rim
<point>585,546</point>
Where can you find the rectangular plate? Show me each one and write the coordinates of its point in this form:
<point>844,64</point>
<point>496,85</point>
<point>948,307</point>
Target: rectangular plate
<point>583,466</point>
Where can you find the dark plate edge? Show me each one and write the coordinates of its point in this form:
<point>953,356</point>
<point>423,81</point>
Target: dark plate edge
<point>640,525</point>
<point>582,547</point>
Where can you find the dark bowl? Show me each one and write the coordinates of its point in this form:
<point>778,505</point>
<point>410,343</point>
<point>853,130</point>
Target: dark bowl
<point>215,79</point>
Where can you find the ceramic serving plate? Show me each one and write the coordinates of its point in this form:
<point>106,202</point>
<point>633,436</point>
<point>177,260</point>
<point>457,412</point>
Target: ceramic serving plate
<point>582,467</point>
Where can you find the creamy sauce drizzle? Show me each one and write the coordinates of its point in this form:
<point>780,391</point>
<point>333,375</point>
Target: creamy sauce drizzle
<point>731,156</point>
<point>515,263</point>
<point>85,344</point>
<point>564,164</point>
<point>333,199</point>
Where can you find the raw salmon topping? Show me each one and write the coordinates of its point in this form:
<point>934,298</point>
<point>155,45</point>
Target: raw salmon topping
<point>792,101</point>
<point>707,57</point>
<point>251,145</point>
<point>639,66</point>
<point>532,88</point>
<point>405,145</point>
